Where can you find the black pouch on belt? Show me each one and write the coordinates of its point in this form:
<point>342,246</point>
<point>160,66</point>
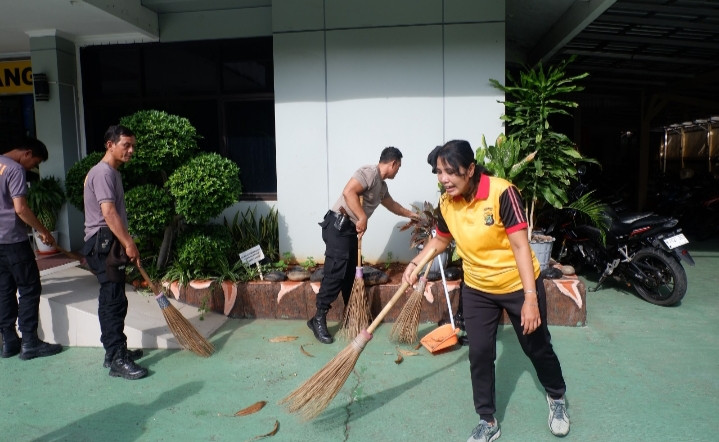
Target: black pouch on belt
<point>340,219</point>
<point>104,240</point>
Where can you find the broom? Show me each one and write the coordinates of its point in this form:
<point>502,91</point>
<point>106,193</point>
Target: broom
<point>186,334</point>
<point>313,396</point>
<point>404,329</point>
<point>181,328</point>
<point>357,313</point>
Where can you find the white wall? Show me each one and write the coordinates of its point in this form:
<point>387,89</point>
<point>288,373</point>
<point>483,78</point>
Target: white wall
<point>358,76</point>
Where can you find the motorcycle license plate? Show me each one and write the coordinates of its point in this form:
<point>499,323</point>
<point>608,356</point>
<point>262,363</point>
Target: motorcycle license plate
<point>675,241</point>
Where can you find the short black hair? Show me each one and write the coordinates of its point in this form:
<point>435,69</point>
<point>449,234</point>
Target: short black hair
<point>390,154</point>
<point>37,147</point>
<point>114,132</point>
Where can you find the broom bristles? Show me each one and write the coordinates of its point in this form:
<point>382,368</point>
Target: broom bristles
<point>404,329</point>
<point>182,329</point>
<point>313,396</point>
<point>357,313</point>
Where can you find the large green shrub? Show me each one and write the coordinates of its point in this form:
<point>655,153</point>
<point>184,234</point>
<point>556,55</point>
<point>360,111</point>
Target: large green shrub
<point>75,179</point>
<point>204,187</point>
<point>202,250</point>
<point>149,211</point>
<point>164,142</point>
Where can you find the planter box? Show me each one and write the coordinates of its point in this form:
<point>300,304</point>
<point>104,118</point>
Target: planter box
<point>566,301</point>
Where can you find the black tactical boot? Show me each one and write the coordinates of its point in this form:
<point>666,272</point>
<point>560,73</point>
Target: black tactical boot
<point>133,354</point>
<point>32,347</point>
<point>122,366</point>
<point>318,325</point>
<point>10,342</point>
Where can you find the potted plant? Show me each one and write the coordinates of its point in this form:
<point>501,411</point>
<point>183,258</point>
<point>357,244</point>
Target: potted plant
<point>45,198</point>
<point>546,159</point>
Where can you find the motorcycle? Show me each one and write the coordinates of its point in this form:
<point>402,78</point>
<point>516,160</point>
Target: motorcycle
<point>645,251</point>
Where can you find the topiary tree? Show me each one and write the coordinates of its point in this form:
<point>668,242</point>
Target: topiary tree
<point>75,179</point>
<point>164,142</point>
<point>149,212</point>
<point>164,165</point>
<point>204,187</point>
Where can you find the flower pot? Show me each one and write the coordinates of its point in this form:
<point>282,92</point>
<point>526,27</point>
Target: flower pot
<point>43,249</point>
<point>542,250</point>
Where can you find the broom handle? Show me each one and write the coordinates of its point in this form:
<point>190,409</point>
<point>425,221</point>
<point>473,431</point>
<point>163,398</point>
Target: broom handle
<point>446,292</point>
<point>146,277</point>
<point>398,293</point>
<point>70,254</point>
<point>359,242</point>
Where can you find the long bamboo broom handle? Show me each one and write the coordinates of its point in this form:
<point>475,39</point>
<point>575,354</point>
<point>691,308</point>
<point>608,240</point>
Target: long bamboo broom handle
<point>398,293</point>
<point>359,241</point>
<point>146,277</point>
<point>70,254</point>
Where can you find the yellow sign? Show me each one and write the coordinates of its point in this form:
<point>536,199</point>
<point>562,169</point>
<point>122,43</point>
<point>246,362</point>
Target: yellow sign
<point>15,77</point>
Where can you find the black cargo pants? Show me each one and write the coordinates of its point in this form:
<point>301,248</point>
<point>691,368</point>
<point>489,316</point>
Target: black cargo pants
<point>340,260</point>
<point>112,302</point>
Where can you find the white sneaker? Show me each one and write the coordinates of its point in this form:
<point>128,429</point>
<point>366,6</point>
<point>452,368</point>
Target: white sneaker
<point>558,420</point>
<point>485,432</point>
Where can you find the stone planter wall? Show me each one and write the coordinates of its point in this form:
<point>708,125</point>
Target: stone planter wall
<point>566,301</point>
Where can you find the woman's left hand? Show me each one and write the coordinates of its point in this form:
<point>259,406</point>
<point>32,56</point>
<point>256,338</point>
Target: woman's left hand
<point>530,317</point>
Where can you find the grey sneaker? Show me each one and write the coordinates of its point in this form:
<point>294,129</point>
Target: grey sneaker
<point>558,420</point>
<point>485,432</point>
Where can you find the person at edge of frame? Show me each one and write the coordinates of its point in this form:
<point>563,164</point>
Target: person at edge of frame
<point>107,237</point>
<point>19,273</point>
<point>342,227</point>
<point>485,217</point>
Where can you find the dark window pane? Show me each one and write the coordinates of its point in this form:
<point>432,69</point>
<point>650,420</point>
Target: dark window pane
<point>176,69</point>
<point>250,127</point>
<point>111,71</point>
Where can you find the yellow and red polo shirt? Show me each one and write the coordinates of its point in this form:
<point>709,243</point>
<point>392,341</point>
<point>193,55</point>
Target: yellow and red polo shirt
<point>480,228</point>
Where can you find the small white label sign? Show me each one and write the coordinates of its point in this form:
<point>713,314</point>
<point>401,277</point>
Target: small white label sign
<point>252,256</point>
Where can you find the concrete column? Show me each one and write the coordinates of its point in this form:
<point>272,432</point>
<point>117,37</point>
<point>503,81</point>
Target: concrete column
<point>57,123</point>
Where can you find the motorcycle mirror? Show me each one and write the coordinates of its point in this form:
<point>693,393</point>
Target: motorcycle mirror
<point>581,170</point>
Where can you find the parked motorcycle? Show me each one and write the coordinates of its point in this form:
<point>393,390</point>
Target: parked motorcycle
<point>642,250</point>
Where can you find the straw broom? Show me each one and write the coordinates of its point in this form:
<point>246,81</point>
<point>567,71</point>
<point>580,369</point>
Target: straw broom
<point>404,329</point>
<point>313,396</point>
<point>357,313</point>
<point>184,332</point>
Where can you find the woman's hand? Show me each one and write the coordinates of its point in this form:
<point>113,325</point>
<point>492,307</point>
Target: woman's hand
<point>530,317</point>
<point>407,276</point>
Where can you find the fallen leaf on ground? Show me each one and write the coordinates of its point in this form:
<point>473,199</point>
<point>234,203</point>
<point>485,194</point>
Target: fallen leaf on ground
<point>283,338</point>
<point>407,352</point>
<point>304,352</point>
<point>254,408</point>
<point>399,359</point>
<point>271,433</point>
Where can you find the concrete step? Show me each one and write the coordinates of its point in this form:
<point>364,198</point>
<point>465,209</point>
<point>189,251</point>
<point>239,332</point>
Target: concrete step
<point>68,312</point>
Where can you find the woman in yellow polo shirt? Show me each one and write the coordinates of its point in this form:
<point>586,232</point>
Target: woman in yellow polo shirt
<point>485,217</point>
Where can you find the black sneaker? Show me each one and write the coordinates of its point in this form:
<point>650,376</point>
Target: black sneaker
<point>132,354</point>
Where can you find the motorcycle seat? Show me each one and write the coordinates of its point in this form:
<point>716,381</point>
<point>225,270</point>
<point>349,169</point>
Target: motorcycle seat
<point>629,218</point>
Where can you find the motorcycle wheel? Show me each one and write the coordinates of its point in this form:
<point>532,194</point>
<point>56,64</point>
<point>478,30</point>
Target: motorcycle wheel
<point>668,279</point>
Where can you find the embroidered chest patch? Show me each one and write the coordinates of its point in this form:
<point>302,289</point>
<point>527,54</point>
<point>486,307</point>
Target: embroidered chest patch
<point>488,216</point>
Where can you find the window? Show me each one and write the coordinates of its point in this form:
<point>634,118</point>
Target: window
<point>224,87</point>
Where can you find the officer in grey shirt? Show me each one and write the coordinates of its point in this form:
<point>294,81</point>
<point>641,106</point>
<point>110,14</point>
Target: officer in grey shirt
<point>105,234</point>
<point>344,224</point>
<point>18,269</point>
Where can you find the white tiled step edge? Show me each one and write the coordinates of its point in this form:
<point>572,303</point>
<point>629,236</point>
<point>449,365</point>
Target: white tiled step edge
<point>68,313</point>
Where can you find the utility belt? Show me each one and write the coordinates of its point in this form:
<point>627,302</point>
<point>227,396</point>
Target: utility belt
<point>340,218</point>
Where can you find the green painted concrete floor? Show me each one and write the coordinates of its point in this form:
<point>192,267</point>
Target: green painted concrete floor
<point>636,372</point>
